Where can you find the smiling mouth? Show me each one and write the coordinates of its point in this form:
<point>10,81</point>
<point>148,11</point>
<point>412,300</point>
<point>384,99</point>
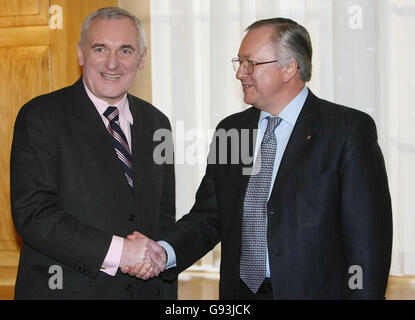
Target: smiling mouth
<point>111,77</point>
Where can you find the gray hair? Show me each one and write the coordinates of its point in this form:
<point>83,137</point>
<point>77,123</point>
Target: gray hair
<point>112,13</point>
<point>293,41</point>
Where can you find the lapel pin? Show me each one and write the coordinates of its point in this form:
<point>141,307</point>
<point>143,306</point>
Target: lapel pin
<point>309,137</point>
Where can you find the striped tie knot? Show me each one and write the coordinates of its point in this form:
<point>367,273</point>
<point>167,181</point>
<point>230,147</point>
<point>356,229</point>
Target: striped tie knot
<point>112,114</point>
<point>120,142</point>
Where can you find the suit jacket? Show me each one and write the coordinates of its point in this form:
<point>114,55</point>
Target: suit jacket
<point>329,210</point>
<point>69,197</point>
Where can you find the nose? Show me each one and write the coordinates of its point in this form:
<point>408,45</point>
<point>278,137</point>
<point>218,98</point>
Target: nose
<point>241,72</point>
<point>112,62</point>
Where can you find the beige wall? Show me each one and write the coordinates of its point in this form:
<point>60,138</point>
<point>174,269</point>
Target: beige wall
<point>142,85</point>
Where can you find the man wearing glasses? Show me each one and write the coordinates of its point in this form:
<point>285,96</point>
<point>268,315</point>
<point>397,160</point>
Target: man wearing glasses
<point>313,220</point>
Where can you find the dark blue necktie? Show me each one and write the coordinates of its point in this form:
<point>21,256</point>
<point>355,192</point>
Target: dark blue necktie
<point>120,143</point>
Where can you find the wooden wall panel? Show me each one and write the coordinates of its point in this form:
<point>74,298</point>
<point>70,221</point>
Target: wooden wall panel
<point>23,12</point>
<point>19,8</point>
<point>142,85</point>
<point>28,75</point>
<point>24,36</point>
<point>26,68</point>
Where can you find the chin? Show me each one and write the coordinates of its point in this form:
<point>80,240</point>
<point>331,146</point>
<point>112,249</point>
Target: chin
<point>248,101</point>
<point>112,94</point>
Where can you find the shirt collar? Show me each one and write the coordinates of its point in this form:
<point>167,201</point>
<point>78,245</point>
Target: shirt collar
<point>101,105</point>
<point>291,112</point>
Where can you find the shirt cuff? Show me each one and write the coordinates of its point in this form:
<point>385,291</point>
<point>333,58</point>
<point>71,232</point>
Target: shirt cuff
<point>113,257</point>
<point>171,255</point>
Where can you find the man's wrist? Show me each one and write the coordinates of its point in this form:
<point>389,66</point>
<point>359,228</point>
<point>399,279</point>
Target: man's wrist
<point>171,255</point>
<point>113,258</point>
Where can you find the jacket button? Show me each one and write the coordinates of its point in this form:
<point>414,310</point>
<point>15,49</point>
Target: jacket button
<point>132,217</point>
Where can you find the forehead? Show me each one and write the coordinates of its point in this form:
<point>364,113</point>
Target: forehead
<point>257,42</point>
<point>118,31</point>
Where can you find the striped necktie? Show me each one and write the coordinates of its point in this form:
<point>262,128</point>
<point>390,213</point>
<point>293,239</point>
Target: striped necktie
<point>254,219</point>
<point>120,143</point>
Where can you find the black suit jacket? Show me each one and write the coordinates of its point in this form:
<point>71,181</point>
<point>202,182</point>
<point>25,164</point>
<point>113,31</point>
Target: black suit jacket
<point>70,196</point>
<point>329,209</point>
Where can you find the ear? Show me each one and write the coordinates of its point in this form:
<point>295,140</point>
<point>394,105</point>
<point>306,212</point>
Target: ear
<point>142,60</point>
<point>81,59</point>
<point>290,70</point>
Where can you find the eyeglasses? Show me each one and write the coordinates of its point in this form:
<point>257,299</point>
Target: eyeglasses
<point>248,65</point>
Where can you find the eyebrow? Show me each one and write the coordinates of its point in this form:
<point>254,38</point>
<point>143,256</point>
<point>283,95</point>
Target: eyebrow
<point>95,45</point>
<point>125,46</point>
<point>244,56</point>
<point>128,46</point>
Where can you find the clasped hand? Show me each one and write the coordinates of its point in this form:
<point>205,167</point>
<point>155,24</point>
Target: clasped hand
<point>142,257</point>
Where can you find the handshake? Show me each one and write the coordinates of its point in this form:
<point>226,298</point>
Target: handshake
<point>142,257</point>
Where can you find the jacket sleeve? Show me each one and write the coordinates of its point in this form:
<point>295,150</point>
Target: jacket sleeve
<point>168,279</point>
<point>197,232</point>
<point>366,214</point>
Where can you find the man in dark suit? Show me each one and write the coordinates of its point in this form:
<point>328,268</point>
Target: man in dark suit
<point>313,219</point>
<point>83,176</point>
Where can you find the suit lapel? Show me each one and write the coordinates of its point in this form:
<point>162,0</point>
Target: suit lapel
<point>299,142</point>
<point>142,149</point>
<point>99,147</point>
<point>242,178</point>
